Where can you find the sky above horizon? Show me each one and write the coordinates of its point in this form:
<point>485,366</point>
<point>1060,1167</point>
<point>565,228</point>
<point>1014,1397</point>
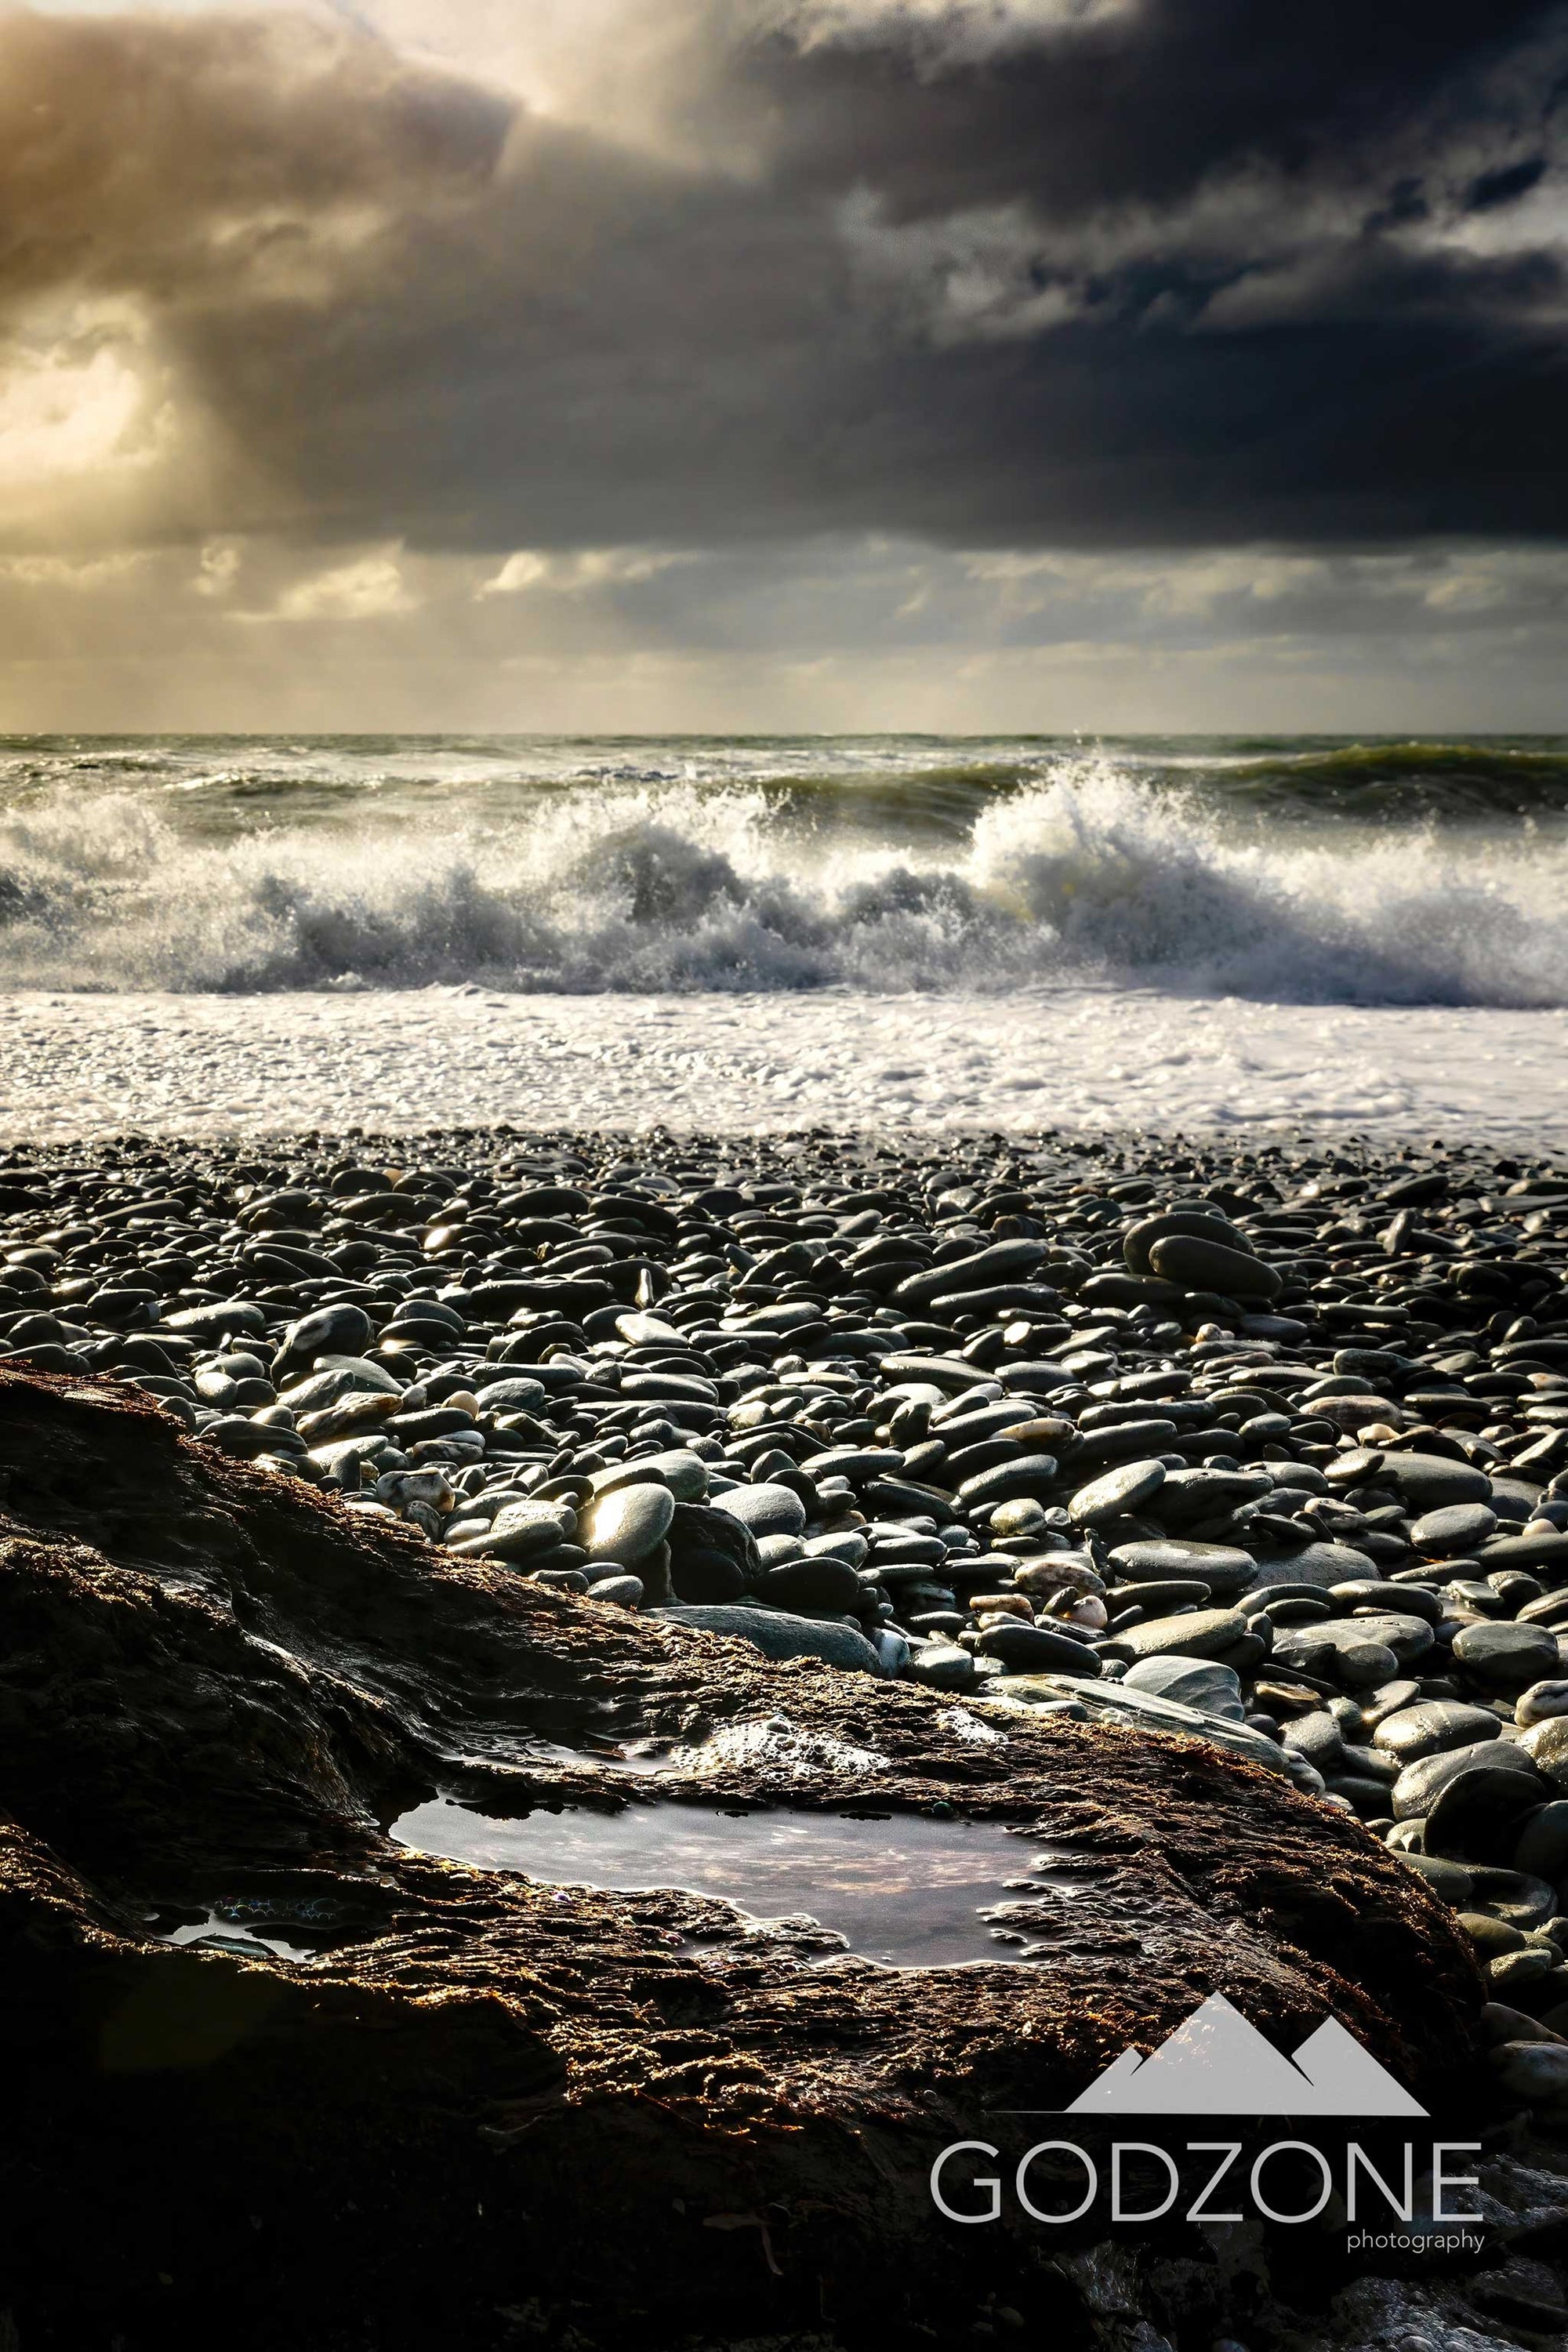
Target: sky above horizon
<point>618,365</point>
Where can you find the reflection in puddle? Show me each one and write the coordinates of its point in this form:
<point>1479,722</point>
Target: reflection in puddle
<point>215,1934</point>
<point>906,1892</point>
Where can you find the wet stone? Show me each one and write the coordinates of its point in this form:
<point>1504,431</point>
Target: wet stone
<point>1118,1493</point>
<point>1196,1633</point>
<point>1506,1658</point>
<point>1432,1727</point>
<point>764,1510</point>
<point>1191,1682</point>
<point>820,1587</point>
<point>1026,1649</point>
<point>1222,1567</point>
<point>1480,1813</point>
<point>1546,1746</point>
<point>1407,1638</point>
<point>1460,1528</point>
<point>1544,1549</point>
<point>1197,1263</point>
<point>1540,1701</point>
<point>1542,1849</point>
<point>779,1634</point>
<point>1420,1784</point>
<point>629,1523</point>
<point>1429,1482</point>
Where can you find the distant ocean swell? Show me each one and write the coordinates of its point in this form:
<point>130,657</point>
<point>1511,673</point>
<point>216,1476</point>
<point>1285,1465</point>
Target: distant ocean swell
<point>1313,872</point>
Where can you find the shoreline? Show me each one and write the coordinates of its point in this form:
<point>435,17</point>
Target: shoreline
<point>1097,1062</point>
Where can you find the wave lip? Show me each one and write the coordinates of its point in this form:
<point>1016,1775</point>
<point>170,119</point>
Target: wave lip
<point>915,866</point>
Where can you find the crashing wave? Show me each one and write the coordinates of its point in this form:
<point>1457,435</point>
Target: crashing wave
<point>697,874</point>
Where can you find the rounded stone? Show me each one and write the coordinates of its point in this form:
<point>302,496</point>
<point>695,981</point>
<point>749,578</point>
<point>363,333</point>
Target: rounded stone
<point>1223,1568</point>
<point>1035,1650</point>
<point>940,1667</point>
<point>1433,1728</point>
<point>1546,1745</point>
<point>1167,1222</point>
<point>620,1591</point>
<point>1200,1265</point>
<point>1430,1481</point>
<point>780,1635</point>
<point>512,1396</point>
<point>702,1526</point>
<point>1506,1658</point>
<point>1196,1633</point>
<point>1019,1517</point>
<point>1116,1494</point>
<point>1401,1600</point>
<point>629,1523</point>
<point>1389,1698</point>
<point>1516,1895</point>
<point>1407,1637</point>
<point>1160,1599</point>
<point>766,1510</point>
<point>1543,1848</point>
<point>1510,1972</point>
<point>1033,1475</point>
<point>1491,1936</point>
<point>1546,1548</point>
<point>1478,1817</point>
<point>1459,1528</point>
<point>342,1330</point>
<point>1540,1702</point>
<point>1321,1566</point>
<point>1364,1664</point>
<point>520,1531</point>
<point>813,1587</point>
<point>700,1576</point>
<point>667,1388</point>
<point>1534,2070</point>
<point>1451,1880</point>
<point>648,1330</point>
<point>1320,1738</point>
<point>1199,1683</point>
<point>685,1474</point>
<point>1420,1784</point>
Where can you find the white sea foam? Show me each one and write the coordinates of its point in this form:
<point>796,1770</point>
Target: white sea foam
<point>1083,874</point>
<point>75,1066</point>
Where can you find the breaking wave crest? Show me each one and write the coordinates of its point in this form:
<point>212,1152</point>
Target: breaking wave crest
<point>1062,871</point>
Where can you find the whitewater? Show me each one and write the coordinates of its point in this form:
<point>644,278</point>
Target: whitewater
<point>206,936</point>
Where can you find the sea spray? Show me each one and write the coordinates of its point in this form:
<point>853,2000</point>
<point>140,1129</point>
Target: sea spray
<point>1319,873</point>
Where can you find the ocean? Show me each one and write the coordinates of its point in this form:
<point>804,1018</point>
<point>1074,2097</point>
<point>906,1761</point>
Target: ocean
<point>1173,931</point>
<point>1316,871</point>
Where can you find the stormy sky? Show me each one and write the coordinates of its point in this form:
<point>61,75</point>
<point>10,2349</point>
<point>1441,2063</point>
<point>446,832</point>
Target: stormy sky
<point>943,363</point>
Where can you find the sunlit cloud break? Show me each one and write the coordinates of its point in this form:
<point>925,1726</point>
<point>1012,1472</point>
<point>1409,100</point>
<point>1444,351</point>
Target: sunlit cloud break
<point>583,303</point>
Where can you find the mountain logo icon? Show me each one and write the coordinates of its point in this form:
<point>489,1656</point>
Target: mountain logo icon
<point>1217,2065</point>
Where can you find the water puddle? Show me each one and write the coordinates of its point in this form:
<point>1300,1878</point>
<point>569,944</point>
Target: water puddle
<point>216,1934</point>
<point>906,1892</point>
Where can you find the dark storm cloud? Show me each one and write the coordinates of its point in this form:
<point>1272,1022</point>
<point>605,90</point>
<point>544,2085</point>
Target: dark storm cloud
<point>1191,271</point>
<point>1141,102</point>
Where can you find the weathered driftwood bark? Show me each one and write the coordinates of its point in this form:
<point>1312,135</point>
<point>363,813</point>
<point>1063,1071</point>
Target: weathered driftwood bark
<point>491,2113</point>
